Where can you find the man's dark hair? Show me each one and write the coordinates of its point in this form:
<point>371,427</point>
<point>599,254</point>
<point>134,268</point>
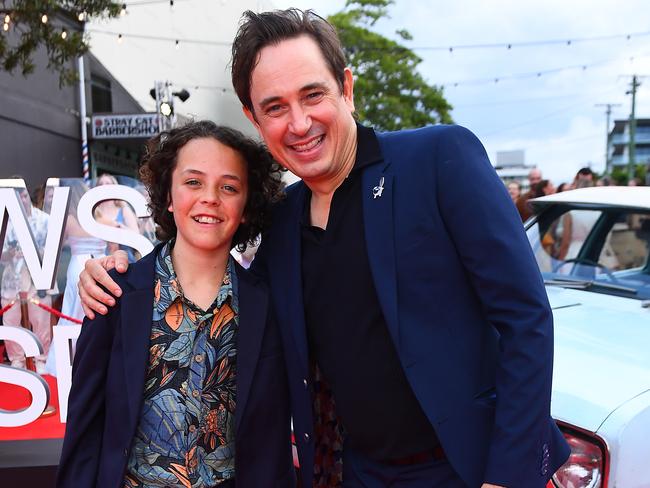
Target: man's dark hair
<point>264,184</point>
<point>259,30</point>
<point>584,172</point>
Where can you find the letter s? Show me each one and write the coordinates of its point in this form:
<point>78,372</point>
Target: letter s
<point>27,379</point>
<point>121,236</point>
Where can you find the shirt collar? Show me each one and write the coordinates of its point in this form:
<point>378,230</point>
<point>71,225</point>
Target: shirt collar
<point>168,289</point>
<point>368,149</point>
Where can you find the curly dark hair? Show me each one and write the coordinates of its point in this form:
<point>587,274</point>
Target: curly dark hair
<point>264,183</point>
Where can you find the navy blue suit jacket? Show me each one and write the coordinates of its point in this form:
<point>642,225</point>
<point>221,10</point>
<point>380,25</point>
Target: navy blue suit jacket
<point>463,300</point>
<point>108,384</point>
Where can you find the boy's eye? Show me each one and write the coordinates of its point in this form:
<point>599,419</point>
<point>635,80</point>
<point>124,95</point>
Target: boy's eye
<point>192,182</point>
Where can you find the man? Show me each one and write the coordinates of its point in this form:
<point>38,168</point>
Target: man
<point>534,177</point>
<point>583,175</point>
<point>16,279</point>
<point>389,284</point>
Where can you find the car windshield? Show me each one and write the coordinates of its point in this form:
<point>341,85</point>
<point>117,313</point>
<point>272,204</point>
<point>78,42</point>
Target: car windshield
<point>600,250</point>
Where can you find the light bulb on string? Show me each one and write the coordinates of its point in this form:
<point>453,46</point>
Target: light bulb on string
<point>7,19</point>
<point>119,38</point>
<point>44,18</point>
<point>178,45</point>
<point>64,35</point>
<point>5,27</point>
<point>81,16</point>
<point>123,11</point>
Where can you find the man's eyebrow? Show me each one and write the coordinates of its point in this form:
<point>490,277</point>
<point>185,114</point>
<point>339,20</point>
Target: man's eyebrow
<point>310,86</point>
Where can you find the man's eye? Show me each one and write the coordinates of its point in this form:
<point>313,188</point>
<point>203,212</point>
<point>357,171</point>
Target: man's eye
<point>273,109</point>
<point>315,95</point>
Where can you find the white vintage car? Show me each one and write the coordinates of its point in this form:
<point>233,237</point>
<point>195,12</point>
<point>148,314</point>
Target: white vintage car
<point>592,247</point>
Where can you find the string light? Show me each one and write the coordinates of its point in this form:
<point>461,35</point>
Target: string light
<point>5,27</point>
<point>64,35</point>
<point>7,19</point>
<point>44,18</point>
<point>123,11</point>
<point>119,39</point>
<point>81,16</point>
<point>178,45</point>
<point>507,45</point>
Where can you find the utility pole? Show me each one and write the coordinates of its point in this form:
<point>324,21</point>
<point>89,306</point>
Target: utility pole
<point>608,137</point>
<point>631,164</point>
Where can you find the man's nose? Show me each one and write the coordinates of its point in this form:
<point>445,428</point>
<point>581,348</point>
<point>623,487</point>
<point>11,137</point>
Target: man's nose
<point>300,120</point>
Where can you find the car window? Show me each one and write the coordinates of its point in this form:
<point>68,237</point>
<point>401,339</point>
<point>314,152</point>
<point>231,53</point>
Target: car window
<point>608,246</point>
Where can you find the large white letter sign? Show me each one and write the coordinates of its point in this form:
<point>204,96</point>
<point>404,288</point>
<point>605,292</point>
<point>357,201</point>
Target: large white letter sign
<point>42,273</point>
<point>21,377</point>
<point>120,236</point>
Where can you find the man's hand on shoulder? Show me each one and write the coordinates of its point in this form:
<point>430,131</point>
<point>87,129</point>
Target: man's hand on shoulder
<point>93,297</point>
<point>488,485</point>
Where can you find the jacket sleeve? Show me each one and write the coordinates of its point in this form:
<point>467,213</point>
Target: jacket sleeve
<point>81,452</point>
<point>489,237</point>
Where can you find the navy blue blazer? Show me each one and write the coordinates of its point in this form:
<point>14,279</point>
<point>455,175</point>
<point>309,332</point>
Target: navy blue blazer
<point>108,384</point>
<point>463,300</point>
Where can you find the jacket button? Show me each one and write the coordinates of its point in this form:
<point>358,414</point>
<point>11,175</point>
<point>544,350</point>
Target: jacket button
<point>306,437</point>
<point>126,452</point>
<point>305,382</point>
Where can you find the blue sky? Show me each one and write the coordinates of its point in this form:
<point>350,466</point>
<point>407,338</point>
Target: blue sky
<point>552,117</point>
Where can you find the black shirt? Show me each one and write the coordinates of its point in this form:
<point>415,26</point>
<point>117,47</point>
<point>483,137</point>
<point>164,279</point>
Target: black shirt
<point>347,333</point>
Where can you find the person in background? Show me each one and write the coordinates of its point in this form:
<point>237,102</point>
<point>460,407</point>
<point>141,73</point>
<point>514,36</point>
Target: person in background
<point>184,383</point>
<point>583,175</point>
<point>523,207</point>
<point>514,190</point>
<point>116,213</point>
<point>16,279</point>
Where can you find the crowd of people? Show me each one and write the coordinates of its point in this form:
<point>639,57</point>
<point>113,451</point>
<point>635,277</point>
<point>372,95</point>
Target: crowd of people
<point>539,187</point>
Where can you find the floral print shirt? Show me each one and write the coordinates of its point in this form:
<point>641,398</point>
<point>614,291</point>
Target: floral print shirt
<point>186,433</point>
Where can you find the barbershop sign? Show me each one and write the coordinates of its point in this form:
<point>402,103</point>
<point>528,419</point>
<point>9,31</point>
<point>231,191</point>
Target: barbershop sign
<point>121,126</point>
<point>43,274</point>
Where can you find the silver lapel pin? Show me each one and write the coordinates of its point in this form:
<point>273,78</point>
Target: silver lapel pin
<point>379,189</point>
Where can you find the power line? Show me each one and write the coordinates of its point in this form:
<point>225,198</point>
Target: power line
<point>547,42</point>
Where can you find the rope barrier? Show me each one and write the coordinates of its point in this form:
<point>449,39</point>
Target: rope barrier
<point>54,311</point>
<point>7,307</point>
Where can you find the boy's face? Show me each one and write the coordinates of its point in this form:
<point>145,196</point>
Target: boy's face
<point>208,195</point>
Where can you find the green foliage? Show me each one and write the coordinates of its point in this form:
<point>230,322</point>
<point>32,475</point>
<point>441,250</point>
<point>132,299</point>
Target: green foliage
<point>27,33</point>
<point>620,174</point>
<point>389,92</point>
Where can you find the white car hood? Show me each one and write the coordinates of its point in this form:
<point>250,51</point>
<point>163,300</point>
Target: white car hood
<point>602,354</point>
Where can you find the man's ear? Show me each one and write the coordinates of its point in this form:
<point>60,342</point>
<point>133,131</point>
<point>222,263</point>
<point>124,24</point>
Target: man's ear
<point>348,88</point>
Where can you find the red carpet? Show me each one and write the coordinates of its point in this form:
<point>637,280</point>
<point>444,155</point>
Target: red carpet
<point>13,397</point>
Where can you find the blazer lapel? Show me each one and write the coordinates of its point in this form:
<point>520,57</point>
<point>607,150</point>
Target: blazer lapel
<point>288,266</point>
<point>380,239</point>
<point>137,314</point>
<point>253,305</point>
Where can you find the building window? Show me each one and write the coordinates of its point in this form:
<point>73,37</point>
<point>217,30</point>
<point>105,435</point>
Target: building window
<point>100,92</point>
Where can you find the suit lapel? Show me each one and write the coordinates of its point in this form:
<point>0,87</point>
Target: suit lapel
<point>137,315</point>
<point>380,240</point>
<point>253,305</point>
<point>288,266</point>
<point>136,333</point>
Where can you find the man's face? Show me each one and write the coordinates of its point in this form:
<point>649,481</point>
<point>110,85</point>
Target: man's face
<point>300,111</point>
<point>534,177</point>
